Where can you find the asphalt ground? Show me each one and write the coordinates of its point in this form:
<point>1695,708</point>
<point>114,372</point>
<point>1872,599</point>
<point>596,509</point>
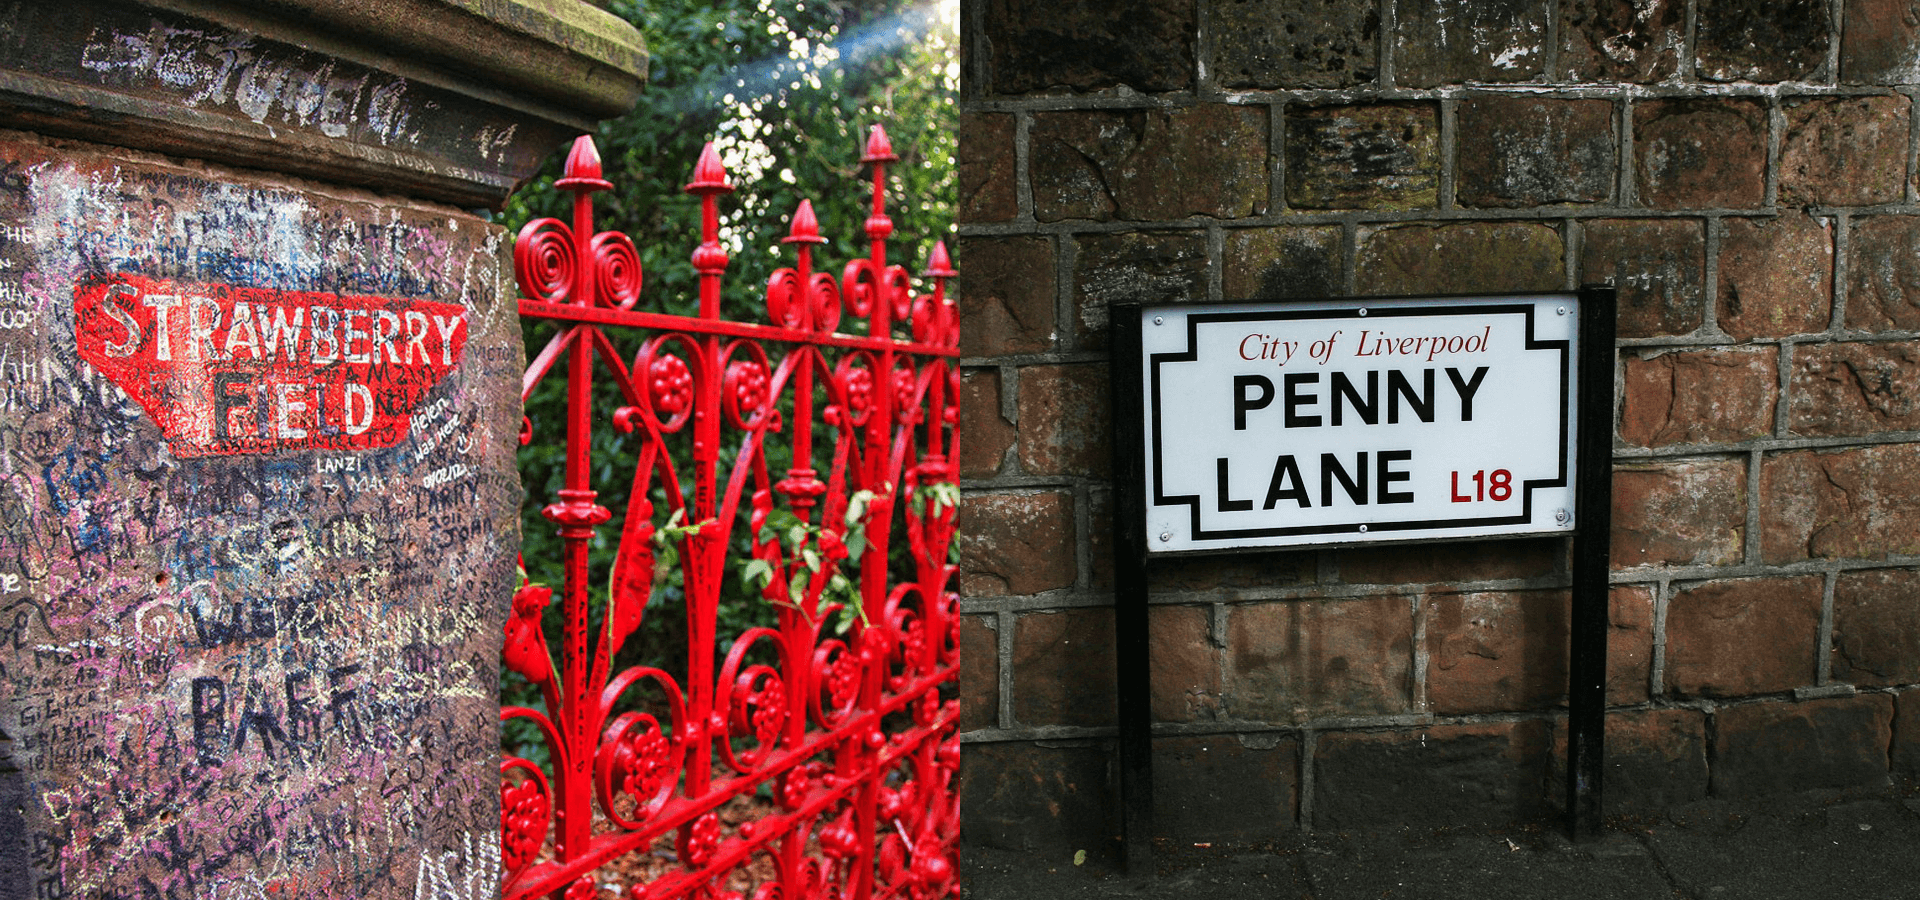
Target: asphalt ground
<point>1806,847</point>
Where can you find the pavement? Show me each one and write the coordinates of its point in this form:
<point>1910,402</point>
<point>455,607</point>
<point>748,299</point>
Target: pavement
<point>1804,847</point>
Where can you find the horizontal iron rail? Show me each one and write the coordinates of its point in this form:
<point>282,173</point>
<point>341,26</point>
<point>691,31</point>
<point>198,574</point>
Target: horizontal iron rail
<point>602,315</point>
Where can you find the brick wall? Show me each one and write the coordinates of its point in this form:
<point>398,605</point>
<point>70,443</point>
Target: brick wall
<point>1742,171</point>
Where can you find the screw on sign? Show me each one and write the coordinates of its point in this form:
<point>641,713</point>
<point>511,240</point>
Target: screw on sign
<point>865,802</point>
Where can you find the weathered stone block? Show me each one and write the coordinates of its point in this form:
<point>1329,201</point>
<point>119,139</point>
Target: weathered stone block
<point>1472,257</point>
<point>1776,276</point>
<point>1064,427</point>
<point>1439,42</point>
<point>1743,636</point>
<point>986,168</point>
<point>979,673</point>
<point>1708,396</point>
<point>1629,643</point>
<point>1225,787</point>
<point>1281,263</point>
<point>1049,796</point>
<point>1840,504</point>
<point>1293,44</point>
<point>1883,274</point>
<point>1876,627</point>
<point>1063,668</point>
<point>1007,295</point>
<point>1143,266</point>
<point>1844,151</point>
<point>1185,662</point>
<point>1295,660</point>
<point>1679,512</point>
<point>1527,150</point>
<point>1657,268</point>
<point>1016,543</point>
<point>1880,43</point>
<point>1854,388</point>
<point>1444,775</point>
<point>1655,759</point>
<point>1084,45</point>
<point>1761,40</point>
<point>1779,748</point>
<point>988,433</point>
<point>1382,156</point>
<point>1231,573</point>
<point>1140,165</point>
<point>1633,41</point>
<point>1496,651</point>
<point>1906,733</point>
<point>1700,153</point>
<point>1428,563</point>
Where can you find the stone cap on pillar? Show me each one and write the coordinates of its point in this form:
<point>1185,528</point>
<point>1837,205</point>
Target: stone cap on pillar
<point>449,100</point>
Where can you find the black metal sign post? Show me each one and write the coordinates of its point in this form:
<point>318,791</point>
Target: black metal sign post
<point>1133,676</point>
<point>1219,382</point>
<point>1592,563</point>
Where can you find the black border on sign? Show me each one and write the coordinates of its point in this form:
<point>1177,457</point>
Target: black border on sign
<point>1522,304</point>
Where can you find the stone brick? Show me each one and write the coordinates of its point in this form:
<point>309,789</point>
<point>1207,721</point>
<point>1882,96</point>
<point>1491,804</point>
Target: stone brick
<point>1690,512</point>
<point>1876,627</point>
<point>1776,276</point>
<point>1762,749</point>
<point>1657,268</point>
<point>1230,573</point>
<point>1185,662</point>
<point>1880,43</point>
<point>1281,263</point>
<point>1842,504</point>
<point>1007,295</point>
<point>1883,274</point>
<point>1225,787</point>
<point>1707,396</point>
<point>1292,661</point>
<point>1140,165</point>
<point>1496,651</point>
<point>1444,775</point>
<point>1761,40</point>
<point>1478,257</point>
<point>979,673</point>
<point>1050,796</point>
<point>1655,759</point>
<point>1299,44</point>
<point>1629,643</point>
<point>1854,388</point>
<point>1014,544</point>
<point>1528,150</point>
<point>986,168</point>
<point>1844,151</point>
<point>1084,45</point>
<point>1100,536</point>
<point>1700,153</point>
<point>1063,668</point>
<point>1743,636</point>
<point>1906,733</point>
<point>1439,42</point>
<point>1382,156</point>
<point>988,434</point>
<point>1429,563</point>
<point>1064,427</point>
<point>1634,41</point>
<point>1144,266</point>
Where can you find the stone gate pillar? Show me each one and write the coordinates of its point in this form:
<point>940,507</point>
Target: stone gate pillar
<point>259,369</point>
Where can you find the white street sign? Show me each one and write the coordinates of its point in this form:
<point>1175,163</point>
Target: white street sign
<point>1354,421</point>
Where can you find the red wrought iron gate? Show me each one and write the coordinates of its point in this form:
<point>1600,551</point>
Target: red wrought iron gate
<point>814,443</point>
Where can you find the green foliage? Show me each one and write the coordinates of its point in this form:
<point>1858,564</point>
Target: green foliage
<point>786,90</point>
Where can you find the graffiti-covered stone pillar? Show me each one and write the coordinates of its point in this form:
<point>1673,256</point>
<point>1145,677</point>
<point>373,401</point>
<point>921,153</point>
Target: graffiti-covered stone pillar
<point>259,401</point>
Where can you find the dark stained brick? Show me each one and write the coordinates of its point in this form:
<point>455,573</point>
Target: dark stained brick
<point>1224,787</point>
<point>1294,43</point>
<point>1880,43</point>
<point>1439,42</point>
<point>1007,295</point>
<point>986,168</point>
<point>1384,156</point>
<point>1656,266</point>
<point>1465,257</point>
<point>1883,274</point>
<point>1492,773</point>
<point>1761,40</point>
<point>1524,150</point>
<point>1763,749</point>
<point>1084,45</point>
<point>1700,153</point>
<point>1141,165</point>
<point>1634,41</point>
<point>1281,262</point>
<point>1145,266</point>
<point>1743,636</point>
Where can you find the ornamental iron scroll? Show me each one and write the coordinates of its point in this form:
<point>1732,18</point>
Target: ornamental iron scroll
<point>833,441</point>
